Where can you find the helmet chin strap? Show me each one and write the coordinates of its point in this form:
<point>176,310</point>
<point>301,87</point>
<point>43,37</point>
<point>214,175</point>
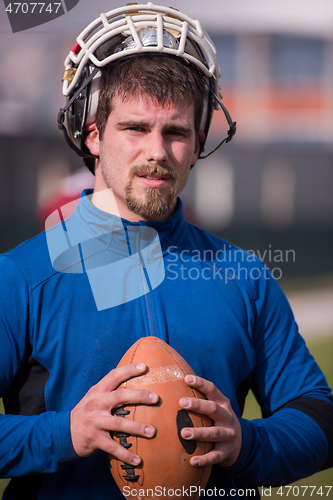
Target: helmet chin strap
<point>231,130</point>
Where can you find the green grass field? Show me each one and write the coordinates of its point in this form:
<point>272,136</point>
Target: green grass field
<point>322,350</point>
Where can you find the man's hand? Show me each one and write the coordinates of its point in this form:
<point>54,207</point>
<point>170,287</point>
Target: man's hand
<point>226,432</point>
<point>91,419</point>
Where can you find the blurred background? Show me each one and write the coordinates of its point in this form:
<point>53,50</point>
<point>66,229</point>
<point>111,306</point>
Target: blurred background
<point>269,191</point>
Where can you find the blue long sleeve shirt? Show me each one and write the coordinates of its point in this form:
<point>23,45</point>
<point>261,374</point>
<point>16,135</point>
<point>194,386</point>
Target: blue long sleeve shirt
<point>76,297</point>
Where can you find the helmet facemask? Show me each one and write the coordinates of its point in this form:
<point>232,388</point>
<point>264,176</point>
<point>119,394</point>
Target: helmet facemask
<point>128,32</point>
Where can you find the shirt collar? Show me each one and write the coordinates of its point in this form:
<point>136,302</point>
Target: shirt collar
<point>96,222</point>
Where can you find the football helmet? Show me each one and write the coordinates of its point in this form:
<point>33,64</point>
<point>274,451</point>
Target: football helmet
<point>128,31</point>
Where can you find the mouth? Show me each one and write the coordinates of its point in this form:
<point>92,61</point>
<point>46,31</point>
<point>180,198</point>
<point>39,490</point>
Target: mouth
<point>154,180</point>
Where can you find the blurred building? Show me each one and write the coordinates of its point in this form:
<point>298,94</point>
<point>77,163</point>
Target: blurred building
<point>278,86</point>
<point>279,89</point>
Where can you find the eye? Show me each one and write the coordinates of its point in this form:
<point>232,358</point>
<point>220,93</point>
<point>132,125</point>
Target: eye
<point>135,128</point>
<point>138,128</point>
<point>178,133</point>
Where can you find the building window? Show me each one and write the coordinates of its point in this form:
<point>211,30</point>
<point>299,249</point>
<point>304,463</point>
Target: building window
<point>226,56</point>
<point>297,60</point>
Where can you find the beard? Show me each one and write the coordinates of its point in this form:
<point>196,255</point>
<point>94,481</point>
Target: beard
<point>154,203</point>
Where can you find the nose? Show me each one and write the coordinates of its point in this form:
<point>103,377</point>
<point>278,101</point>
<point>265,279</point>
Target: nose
<point>155,147</point>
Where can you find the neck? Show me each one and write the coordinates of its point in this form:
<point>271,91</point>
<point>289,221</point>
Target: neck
<point>104,200</point>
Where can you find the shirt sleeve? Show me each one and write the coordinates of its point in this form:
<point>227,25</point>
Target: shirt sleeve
<point>293,439</point>
<point>29,444</point>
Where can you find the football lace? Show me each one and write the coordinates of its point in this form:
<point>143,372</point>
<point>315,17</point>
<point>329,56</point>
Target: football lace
<point>122,436</point>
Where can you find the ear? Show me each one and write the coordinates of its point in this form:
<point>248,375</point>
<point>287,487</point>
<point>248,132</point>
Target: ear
<point>92,139</point>
<point>200,139</point>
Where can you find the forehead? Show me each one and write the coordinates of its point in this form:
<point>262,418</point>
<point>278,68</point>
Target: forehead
<point>145,107</point>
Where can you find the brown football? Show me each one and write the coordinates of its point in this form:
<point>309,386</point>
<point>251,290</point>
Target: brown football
<point>165,468</point>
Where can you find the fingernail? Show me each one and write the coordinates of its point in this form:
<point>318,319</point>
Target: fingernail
<point>186,433</point>
<point>136,460</point>
<point>153,396</point>
<point>140,366</point>
<point>149,430</point>
<point>195,462</point>
<point>185,402</point>
<point>190,379</point>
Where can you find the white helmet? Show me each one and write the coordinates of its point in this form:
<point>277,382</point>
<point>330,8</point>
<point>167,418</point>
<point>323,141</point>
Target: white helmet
<point>127,31</point>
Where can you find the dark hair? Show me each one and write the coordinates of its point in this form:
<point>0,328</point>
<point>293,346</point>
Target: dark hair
<point>164,79</point>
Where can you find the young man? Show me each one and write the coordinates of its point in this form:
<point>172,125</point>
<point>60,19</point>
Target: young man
<point>127,265</point>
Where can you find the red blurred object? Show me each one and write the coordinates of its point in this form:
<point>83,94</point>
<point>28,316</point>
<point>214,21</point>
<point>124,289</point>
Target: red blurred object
<point>66,191</point>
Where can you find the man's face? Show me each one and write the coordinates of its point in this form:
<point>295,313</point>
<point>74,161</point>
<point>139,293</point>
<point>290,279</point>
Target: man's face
<point>145,156</point>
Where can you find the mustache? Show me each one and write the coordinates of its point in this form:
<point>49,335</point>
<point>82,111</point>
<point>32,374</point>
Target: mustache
<point>149,169</point>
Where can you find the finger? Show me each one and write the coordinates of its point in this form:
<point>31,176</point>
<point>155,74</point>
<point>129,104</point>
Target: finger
<point>110,446</point>
<point>210,408</point>
<point>211,458</point>
<point>122,397</point>
<point>206,387</point>
<point>214,434</point>
<point>115,377</point>
<point>116,424</point>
